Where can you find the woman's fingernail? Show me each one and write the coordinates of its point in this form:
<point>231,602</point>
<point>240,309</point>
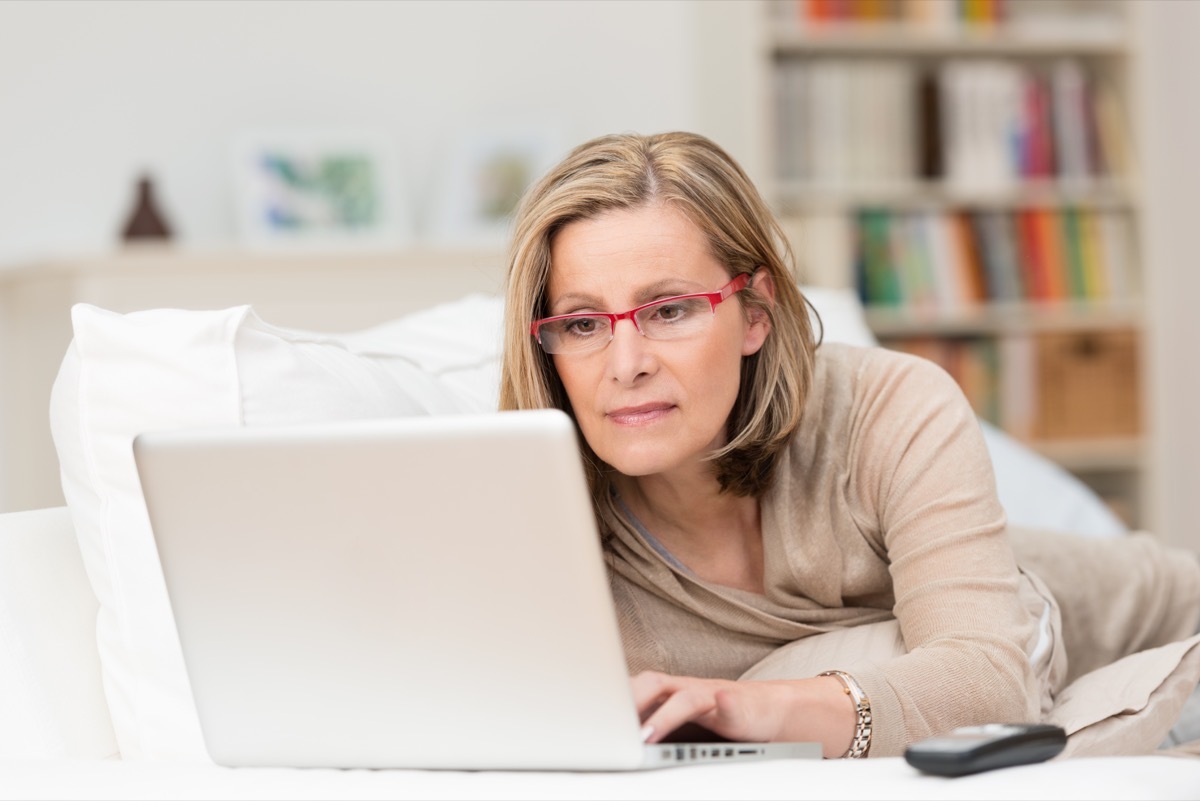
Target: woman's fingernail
<point>647,732</point>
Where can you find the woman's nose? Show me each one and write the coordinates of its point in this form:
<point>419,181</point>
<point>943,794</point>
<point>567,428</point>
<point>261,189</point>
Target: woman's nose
<point>629,354</point>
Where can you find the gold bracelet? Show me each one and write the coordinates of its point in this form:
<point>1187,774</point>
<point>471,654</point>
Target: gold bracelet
<point>862,706</point>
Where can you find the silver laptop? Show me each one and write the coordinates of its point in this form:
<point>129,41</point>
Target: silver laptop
<point>406,593</point>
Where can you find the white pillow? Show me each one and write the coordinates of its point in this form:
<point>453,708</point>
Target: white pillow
<point>128,373</point>
<point>52,703</point>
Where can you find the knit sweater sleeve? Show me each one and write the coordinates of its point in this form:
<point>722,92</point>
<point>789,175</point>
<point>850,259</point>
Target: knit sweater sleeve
<point>924,491</point>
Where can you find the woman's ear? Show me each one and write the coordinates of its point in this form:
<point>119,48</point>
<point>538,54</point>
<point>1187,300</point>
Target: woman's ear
<point>759,322</point>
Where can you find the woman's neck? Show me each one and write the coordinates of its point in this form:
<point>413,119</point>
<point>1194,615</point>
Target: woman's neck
<point>718,536</point>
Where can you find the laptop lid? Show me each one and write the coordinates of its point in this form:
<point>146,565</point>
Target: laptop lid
<point>421,592</point>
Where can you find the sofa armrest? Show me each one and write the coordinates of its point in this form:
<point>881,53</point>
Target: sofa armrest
<point>52,702</point>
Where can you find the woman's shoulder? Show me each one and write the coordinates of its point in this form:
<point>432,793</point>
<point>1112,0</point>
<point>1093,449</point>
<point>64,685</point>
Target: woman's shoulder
<point>868,394</point>
<point>863,368</point>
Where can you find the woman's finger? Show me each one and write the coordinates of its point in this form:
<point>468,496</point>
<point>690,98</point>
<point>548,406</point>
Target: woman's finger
<point>650,688</point>
<point>689,704</point>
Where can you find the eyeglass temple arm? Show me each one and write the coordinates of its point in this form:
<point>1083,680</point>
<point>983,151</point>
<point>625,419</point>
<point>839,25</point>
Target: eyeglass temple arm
<point>735,285</point>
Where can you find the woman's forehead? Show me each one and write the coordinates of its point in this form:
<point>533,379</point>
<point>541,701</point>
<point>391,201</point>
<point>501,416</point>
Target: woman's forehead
<point>642,249</point>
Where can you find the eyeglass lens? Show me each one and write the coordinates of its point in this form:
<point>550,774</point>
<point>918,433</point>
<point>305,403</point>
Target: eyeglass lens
<point>671,318</point>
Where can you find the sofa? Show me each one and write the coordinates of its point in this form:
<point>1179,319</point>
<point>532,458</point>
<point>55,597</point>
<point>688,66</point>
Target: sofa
<point>96,703</point>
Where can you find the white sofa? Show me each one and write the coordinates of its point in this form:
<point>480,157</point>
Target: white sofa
<point>95,702</point>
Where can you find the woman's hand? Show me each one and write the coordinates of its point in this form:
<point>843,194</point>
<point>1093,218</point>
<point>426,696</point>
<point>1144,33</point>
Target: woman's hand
<point>812,710</point>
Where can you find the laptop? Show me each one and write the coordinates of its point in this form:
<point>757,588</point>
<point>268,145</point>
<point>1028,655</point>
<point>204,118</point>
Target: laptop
<point>422,592</point>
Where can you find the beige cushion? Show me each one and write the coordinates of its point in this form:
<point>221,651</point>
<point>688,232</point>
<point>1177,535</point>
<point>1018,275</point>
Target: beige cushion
<point>1124,708</point>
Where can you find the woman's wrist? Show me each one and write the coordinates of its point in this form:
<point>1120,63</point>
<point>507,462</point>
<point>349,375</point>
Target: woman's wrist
<point>817,709</point>
<point>860,741</point>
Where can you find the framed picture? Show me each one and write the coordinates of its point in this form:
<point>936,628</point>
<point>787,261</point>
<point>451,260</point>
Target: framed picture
<point>484,174</point>
<point>318,189</point>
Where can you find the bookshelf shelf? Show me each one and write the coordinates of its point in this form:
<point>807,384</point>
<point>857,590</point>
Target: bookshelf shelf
<point>900,39</point>
<point>799,196</point>
<point>975,179</point>
<point>1088,455</point>
<point>1002,318</point>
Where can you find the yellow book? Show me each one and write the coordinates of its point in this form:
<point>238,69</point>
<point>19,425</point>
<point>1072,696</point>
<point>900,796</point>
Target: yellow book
<point>1095,272</point>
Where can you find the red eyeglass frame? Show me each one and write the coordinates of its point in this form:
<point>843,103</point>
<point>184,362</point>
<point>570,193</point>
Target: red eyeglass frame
<point>739,282</point>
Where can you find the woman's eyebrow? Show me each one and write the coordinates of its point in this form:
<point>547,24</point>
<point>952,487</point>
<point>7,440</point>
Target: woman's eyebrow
<point>667,287</point>
<point>661,288</point>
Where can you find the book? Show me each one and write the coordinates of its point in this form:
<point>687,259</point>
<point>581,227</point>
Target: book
<point>827,89</point>
<point>1032,257</point>
<point>1040,156</point>
<point>1092,250</point>
<point>1069,128</point>
<point>967,256</point>
<point>1001,260</point>
<point>1077,284</point>
<point>944,258</point>
<point>792,121</point>
<point>1112,131</point>
<point>930,144</point>
<point>910,256</point>
<point>879,280</point>
<point>1052,256</point>
<point>1117,247</point>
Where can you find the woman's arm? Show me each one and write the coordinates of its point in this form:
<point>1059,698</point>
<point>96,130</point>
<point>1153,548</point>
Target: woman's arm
<point>922,478</point>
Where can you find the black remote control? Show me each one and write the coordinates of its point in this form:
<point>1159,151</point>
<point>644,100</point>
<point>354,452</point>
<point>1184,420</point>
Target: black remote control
<point>972,749</point>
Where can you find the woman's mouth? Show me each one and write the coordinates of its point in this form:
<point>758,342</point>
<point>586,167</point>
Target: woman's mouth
<point>640,415</point>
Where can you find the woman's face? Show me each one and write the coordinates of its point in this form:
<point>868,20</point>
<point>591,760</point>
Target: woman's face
<point>645,406</point>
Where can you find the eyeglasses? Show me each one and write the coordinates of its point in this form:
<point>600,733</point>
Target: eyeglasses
<point>677,317</point>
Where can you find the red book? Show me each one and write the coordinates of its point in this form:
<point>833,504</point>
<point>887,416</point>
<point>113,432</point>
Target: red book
<point>1041,163</point>
<point>1033,271</point>
<point>817,11</point>
<point>1053,257</point>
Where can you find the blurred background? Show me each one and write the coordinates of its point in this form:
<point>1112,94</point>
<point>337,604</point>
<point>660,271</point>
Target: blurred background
<point>1007,184</point>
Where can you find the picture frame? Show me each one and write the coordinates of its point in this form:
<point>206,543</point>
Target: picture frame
<point>318,189</point>
<point>485,172</point>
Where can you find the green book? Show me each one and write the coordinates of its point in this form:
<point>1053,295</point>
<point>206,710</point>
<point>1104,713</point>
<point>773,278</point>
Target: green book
<point>1077,279</point>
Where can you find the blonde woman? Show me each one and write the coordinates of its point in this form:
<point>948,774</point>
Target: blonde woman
<point>755,489</point>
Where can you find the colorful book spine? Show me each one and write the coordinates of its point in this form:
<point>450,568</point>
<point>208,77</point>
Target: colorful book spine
<point>967,256</point>
<point>1033,266</point>
<point>948,260</point>
<point>880,278</point>
<point>1053,255</point>
<point>1095,268</point>
<point>1078,286</point>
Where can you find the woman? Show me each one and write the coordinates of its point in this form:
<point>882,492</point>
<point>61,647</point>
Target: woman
<point>753,489</point>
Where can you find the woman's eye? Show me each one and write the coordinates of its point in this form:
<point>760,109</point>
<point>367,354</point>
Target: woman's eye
<point>669,311</point>
<point>583,326</point>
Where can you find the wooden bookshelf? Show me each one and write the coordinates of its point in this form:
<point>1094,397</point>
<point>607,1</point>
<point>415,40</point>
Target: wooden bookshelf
<point>954,161</point>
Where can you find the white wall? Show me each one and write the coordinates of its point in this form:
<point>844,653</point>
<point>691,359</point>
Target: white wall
<point>1170,137</point>
<point>91,92</point>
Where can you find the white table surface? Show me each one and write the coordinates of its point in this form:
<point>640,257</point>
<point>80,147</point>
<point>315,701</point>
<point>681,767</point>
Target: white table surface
<point>1145,777</point>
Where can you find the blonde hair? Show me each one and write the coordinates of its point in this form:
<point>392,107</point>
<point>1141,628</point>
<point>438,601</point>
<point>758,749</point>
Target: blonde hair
<point>697,177</point>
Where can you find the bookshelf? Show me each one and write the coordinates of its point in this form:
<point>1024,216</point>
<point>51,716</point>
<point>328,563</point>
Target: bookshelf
<point>968,166</point>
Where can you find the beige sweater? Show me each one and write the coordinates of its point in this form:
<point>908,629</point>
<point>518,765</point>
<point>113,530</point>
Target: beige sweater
<point>884,505</point>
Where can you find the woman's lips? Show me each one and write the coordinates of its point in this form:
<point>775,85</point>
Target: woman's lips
<point>640,415</point>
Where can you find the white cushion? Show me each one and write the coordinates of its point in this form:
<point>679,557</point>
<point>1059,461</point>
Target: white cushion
<point>166,368</point>
<point>51,700</point>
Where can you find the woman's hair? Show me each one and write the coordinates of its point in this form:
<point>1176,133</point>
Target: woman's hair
<point>695,176</point>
